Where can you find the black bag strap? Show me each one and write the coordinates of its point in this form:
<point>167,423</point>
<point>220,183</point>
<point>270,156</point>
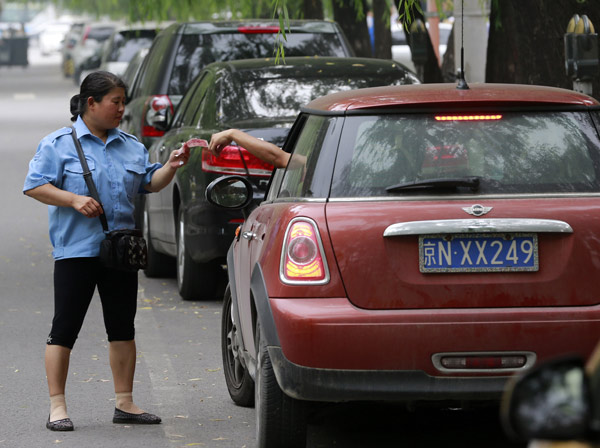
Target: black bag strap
<point>87,175</point>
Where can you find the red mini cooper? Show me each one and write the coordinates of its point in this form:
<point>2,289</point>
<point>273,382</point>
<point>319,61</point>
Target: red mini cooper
<point>424,243</point>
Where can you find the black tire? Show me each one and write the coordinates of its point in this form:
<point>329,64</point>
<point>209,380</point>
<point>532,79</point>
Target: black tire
<point>281,421</point>
<point>239,382</point>
<point>196,281</point>
<point>159,265</point>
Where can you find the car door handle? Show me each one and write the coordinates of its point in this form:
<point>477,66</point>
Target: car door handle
<point>248,235</point>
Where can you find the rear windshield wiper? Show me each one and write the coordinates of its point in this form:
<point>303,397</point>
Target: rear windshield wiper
<point>471,182</point>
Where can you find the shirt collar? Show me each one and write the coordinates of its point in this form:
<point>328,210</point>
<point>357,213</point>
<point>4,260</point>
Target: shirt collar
<point>82,129</point>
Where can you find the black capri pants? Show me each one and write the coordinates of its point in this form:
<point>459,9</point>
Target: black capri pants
<point>75,280</point>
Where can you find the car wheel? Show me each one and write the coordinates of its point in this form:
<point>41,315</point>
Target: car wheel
<point>159,265</point>
<point>281,420</point>
<point>239,382</point>
<point>196,281</point>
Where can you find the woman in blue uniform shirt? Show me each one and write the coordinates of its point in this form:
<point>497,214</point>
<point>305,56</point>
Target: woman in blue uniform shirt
<point>121,169</point>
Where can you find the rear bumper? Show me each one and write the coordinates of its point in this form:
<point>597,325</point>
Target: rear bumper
<point>333,385</point>
<point>327,349</point>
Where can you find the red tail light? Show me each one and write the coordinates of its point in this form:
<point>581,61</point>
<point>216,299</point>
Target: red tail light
<point>230,162</point>
<point>258,29</point>
<point>302,258</point>
<point>156,111</point>
<point>474,117</point>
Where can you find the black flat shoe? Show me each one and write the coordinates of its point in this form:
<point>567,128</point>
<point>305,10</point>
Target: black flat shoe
<point>140,419</point>
<point>60,425</point>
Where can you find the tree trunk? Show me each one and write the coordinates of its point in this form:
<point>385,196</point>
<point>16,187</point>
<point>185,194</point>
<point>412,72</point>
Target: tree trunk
<point>381,26</point>
<point>313,9</point>
<point>448,65</point>
<point>431,71</point>
<point>528,47</point>
<point>356,30</point>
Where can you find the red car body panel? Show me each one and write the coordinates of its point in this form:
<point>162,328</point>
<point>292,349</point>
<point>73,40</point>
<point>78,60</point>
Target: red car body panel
<point>442,95</point>
<point>334,334</point>
<point>391,279</point>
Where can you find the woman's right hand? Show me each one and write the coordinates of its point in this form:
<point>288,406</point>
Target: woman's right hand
<point>87,206</point>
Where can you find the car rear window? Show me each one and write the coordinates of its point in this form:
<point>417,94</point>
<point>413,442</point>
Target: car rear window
<point>554,152</point>
<point>283,97</point>
<point>126,44</point>
<point>100,33</point>
<point>195,51</point>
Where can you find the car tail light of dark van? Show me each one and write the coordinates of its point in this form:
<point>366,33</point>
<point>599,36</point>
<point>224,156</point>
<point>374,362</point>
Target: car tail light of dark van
<point>229,162</point>
<point>156,115</point>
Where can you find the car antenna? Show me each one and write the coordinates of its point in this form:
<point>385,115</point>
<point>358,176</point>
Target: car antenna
<point>462,83</point>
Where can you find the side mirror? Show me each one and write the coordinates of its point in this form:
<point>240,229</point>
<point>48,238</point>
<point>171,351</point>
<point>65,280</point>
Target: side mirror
<point>230,192</point>
<point>551,402</point>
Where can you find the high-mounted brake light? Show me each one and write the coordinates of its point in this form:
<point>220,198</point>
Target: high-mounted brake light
<point>229,162</point>
<point>155,112</point>
<point>258,29</point>
<point>302,258</point>
<point>476,117</point>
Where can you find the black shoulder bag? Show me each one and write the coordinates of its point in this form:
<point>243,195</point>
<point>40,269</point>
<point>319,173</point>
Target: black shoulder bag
<point>123,249</point>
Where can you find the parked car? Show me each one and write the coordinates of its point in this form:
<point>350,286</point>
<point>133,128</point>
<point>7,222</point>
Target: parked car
<point>124,43</point>
<point>555,402</point>
<point>90,64</point>
<point>69,42</point>
<point>92,37</point>
<point>116,52</point>
<point>261,98</point>
<point>437,241</point>
<point>181,50</point>
<point>133,67</point>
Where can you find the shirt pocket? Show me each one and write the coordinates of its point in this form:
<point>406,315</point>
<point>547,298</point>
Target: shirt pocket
<point>73,178</point>
<point>134,173</point>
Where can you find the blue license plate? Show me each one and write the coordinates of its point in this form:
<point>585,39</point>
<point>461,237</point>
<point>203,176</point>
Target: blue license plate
<point>478,253</point>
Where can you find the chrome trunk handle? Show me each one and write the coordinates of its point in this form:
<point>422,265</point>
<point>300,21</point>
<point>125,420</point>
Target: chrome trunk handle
<point>497,225</point>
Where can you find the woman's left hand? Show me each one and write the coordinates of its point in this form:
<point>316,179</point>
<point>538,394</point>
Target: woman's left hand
<point>179,157</point>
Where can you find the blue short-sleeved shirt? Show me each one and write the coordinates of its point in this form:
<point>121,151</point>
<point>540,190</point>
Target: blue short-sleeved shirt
<point>120,169</point>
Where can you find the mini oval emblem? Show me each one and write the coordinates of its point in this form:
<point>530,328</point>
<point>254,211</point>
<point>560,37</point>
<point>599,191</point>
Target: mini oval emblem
<point>477,210</point>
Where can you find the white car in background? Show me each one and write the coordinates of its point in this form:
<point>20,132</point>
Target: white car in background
<point>401,49</point>
<point>50,39</point>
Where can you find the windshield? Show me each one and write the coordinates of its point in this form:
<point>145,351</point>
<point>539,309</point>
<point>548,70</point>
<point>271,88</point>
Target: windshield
<point>283,97</point>
<point>198,50</point>
<point>385,155</point>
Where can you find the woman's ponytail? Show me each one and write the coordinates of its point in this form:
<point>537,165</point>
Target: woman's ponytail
<point>75,107</point>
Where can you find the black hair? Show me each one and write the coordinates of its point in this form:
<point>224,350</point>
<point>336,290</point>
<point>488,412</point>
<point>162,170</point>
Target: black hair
<point>95,85</point>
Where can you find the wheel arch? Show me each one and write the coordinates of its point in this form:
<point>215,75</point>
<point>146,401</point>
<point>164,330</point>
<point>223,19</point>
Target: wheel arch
<point>262,308</point>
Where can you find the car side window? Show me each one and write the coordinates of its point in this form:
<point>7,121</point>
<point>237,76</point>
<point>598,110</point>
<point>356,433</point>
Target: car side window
<point>150,75</point>
<point>205,106</point>
<point>185,113</point>
<point>298,176</point>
